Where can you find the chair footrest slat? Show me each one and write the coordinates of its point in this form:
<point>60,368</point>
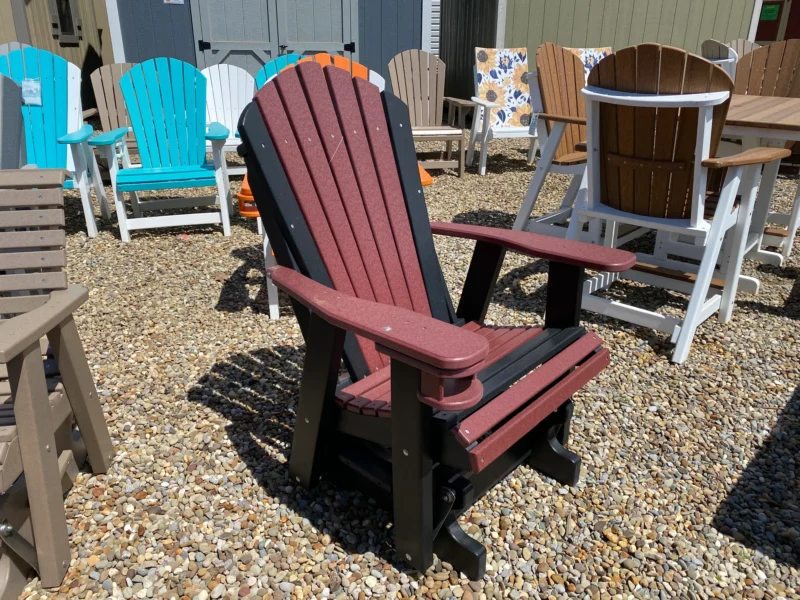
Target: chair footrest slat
<point>471,429</point>
<point>507,435</point>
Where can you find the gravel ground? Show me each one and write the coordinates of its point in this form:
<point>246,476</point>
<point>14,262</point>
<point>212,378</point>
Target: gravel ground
<point>689,487</point>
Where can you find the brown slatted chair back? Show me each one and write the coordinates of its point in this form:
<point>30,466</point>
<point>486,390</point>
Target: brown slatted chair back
<point>772,70</point>
<point>743,47</point>
<point>332,138</point>
<point>648,153</point>
<point>417,78</point>
<point>32,255</point>
<point>561,79</point>
<point>110,104</point>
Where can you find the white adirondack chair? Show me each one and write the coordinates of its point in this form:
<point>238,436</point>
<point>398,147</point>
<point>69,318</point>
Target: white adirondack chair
<point>722,55</point>
<point>651,169</point>
<point>55,135</point>
<point>502,98</point>
<point>230,89</point>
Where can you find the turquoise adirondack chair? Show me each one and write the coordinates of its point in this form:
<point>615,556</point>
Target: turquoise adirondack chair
<point>166,102</point>
<point>273,67</point>
<point>53,122</point>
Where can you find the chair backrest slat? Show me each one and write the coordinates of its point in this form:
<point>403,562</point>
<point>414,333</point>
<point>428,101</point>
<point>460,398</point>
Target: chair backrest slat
<point>32,254</point>
<point>648,154</point>
<point>417,78</point>
<point>12,136</point>
<point>110,104</point>
<point>352,200</point>
<point>770,70</point>
<point>230,89</point>
<point>166,102</point>
<point>561,78</point>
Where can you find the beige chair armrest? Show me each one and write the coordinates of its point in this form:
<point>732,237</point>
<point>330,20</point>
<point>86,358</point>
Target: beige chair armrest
<point>17,334</point>
<point>754,156</point>
<point>563,119</point>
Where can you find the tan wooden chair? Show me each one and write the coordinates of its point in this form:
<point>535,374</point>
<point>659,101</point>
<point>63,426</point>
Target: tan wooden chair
<point>417,78</point>
<point>110,105</point>
<point>40,400</point>
<point>774,70</point>
<point>654,121</point>
<point>743,47</point>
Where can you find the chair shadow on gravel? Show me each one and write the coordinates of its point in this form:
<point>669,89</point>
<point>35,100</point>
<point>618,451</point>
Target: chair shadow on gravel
<point>256,392</point>
<point>790,308</point>
<point>762,511</point>
<point>235,296</point>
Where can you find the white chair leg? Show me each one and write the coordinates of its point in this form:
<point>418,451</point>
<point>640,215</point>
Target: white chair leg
<point>97,182</point>
<point>485,135</point>
<point>473,134</point>
<point>794,224</point>
<point>705,272</point>
<point>223,185</point>
<point>260,226</point>
<point>119,197</point>
<point>82,185</point>
<point>577,220</point>
<point>732,265</point>
<point>572,191</point>
<point>532,150</point>
<point>272,290</point>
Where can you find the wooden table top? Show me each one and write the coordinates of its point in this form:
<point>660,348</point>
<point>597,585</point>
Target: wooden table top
<point>766,112</point>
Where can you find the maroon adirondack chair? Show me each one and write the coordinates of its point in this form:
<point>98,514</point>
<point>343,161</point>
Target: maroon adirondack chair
<point>428,419</point>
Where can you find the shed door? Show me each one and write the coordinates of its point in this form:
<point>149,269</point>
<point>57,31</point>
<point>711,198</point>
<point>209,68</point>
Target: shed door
<point>311,26</point>
<point>236,32</point>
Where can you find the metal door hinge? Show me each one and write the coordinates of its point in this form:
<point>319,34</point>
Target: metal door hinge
<point>350,47</point>
<point>203,45</point>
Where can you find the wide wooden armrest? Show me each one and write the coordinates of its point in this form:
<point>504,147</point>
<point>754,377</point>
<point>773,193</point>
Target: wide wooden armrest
<point>581,147</point>
<point>77,137</point>
<point>570,252</point>
<point>754,156</point>
<point>563,119</point>
<point>485,103</point>
<point>217,131</point>
<point>19,333</point>
<point>459,102</point>
<point>428,341</point>
<point>107,138</point>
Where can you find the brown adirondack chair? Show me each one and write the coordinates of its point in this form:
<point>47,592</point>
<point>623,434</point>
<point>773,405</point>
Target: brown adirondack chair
<point>40,400</point>
<point>427,420</point>
<point>417,78</point>
<point>563,128</point>
<point>110,104</point>
<point>774,70</point>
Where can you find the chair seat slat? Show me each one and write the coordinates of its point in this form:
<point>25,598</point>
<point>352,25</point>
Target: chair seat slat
<point>32,239</point>
<point>23,198</point>
<point>32,260</point>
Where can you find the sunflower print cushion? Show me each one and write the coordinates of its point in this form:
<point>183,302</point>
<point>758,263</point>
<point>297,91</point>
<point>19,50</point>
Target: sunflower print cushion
<point>502,78</point>
<point>590,57</point>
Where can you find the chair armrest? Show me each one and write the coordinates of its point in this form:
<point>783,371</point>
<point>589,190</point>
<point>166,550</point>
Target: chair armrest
<point>19,333</point>
<point>108,138</point>
<point>485,103</point>
<point>89,112</point>
<point>76,137</point>
<point>217,131</point>
<point>459,102</point>
<point>754,156</point>
<point>563,119</point>
<point>434,343</point>
<point>570,252</point>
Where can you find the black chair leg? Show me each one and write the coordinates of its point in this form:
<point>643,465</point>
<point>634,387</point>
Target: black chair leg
<point>412,470</point>
<point>456,547</point>
<point>548,455</point>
